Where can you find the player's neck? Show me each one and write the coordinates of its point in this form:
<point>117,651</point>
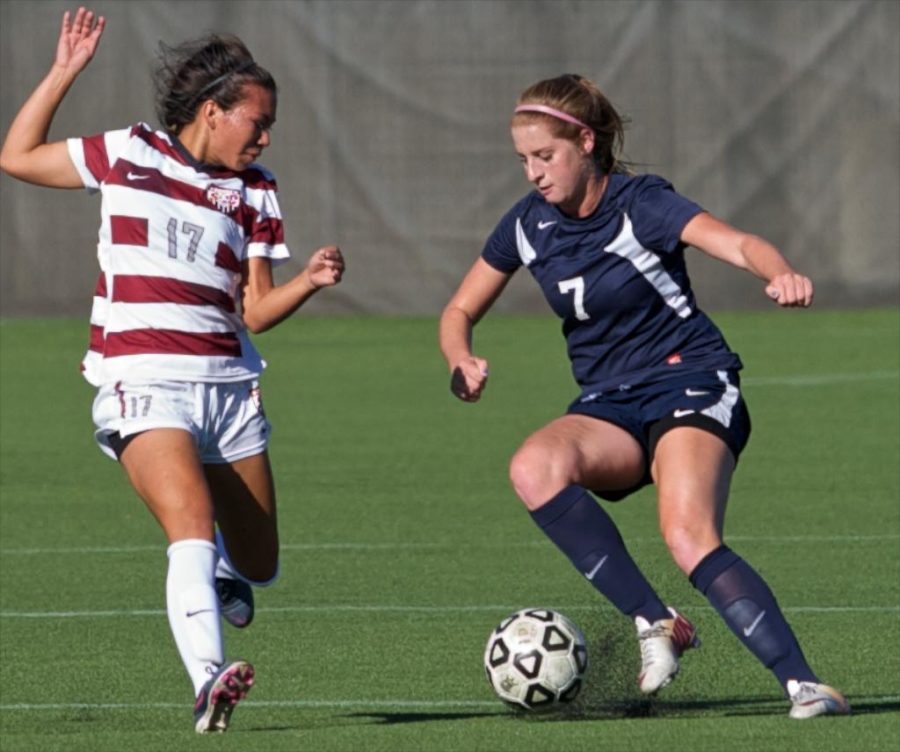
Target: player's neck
<point>195,140</point>
<point>587,203</point>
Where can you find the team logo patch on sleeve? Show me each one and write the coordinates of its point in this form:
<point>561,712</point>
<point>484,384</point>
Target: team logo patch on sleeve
<point>226,200</point>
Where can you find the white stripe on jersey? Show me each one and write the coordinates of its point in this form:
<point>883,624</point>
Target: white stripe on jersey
<point>526,250</point>
<point>173,370</point>
<point>99,310</point>
<point>92,367</point>
<point>198,319</point>
<point>148,261</point>
<point>650,266</point>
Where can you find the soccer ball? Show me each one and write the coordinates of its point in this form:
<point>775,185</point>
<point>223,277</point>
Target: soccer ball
<point>536,659</point>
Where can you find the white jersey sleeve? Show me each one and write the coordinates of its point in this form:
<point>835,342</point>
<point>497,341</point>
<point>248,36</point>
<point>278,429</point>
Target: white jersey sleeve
<point>94,155</point>
<point>266,237</point>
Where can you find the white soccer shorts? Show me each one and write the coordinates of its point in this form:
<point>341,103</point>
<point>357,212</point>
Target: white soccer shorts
<point>226,420</point>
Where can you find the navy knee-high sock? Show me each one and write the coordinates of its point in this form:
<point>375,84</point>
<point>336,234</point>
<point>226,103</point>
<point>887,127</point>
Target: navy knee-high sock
<point>588,536</point>
<point>748,607</point>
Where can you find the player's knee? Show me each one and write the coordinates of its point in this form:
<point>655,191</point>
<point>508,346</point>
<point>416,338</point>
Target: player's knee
<point>537,475</point>
<point>689,543</point>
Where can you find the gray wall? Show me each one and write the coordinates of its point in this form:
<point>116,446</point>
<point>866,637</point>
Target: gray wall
<point>779,116</point>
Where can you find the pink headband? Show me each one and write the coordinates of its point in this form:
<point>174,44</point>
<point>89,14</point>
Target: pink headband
<point>551,111</point>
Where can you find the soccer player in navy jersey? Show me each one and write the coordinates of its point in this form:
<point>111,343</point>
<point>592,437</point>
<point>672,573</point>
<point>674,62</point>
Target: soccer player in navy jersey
<point>660,397</point>
<point>190,230</point>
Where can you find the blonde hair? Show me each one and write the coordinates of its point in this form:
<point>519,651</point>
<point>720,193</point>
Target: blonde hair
<point>581,99</point>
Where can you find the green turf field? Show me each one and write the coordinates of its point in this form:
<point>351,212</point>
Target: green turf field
<point>404,545</point>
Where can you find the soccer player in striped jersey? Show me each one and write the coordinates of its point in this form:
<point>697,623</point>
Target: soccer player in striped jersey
<point>190,230</point>
<point>660,397</point>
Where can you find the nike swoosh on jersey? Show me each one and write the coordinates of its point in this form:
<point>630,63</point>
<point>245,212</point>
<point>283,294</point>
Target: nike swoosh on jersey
<point>135,176</point>
<point>682,413</point>
<point>544,225</point>
<point>695,392</point>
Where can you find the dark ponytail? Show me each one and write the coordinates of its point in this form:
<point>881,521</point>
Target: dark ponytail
<point>212,67</point>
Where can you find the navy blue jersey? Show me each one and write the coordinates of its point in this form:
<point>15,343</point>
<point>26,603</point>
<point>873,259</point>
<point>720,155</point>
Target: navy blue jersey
<point>618,281</point>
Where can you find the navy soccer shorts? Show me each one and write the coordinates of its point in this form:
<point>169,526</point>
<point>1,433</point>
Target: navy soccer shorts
<point>709,400</point>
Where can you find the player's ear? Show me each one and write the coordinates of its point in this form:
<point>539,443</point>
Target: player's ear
<point>586,141</point>
<point>209,112</point>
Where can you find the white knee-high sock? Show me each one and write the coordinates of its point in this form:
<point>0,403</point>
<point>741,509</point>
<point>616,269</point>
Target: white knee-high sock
<point>194,608</point>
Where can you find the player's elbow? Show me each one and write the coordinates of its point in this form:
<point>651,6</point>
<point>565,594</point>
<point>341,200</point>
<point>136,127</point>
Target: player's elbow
<point>454,313</point>
<point>23,166</point>
<point>11,165</point>
<point>260,318</point>
<point>256,324</point>
<point>16,161</point>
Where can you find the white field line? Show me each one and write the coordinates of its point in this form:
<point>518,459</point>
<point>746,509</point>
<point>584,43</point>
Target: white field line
<point>799,380</point>
<point>427,704</point>
<point>377,608</point>
<point>819,379</point>
<point>322,704</point>
<point>431,545</point>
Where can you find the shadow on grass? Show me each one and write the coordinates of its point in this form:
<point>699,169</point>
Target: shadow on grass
<point>610,694</point>
<point>609,711</point>
<point>625,710</point>
<point>408,717</point>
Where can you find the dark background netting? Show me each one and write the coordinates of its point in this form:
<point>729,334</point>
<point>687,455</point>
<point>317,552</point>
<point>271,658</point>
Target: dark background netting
<point>392,136</point>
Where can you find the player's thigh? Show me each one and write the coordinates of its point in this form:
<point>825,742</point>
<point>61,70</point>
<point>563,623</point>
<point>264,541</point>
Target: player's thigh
<point>244,497</point>
<point>591,452</point>
<point>164,468</point>
<point>692,470</point>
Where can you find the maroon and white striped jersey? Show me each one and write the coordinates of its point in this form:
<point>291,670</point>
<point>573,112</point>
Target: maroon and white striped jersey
<point>173,234</point>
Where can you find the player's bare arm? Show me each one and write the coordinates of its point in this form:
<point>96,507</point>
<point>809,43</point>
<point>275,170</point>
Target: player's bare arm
<point>265,304</point>
<point>26,155</point>
<point>785,286</point>
<point>477,292</point>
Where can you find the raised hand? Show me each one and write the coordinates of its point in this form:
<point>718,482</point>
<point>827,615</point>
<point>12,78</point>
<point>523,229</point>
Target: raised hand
<point>78,39</point>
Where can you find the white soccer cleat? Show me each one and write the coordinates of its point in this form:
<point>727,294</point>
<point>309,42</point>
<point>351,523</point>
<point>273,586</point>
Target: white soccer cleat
<point>662,644</point>
<point>809,699</point>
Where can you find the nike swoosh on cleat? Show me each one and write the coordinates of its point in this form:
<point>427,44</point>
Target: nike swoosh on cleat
<point>749,630</point>
<point>590,575</point>
<point>695,392</point>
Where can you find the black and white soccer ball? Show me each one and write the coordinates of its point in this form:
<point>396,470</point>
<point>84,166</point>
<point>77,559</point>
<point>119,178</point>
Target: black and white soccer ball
<point>536,659</point>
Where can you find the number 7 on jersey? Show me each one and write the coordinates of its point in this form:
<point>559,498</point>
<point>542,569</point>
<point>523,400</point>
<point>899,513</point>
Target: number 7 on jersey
<point>575,285</point>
